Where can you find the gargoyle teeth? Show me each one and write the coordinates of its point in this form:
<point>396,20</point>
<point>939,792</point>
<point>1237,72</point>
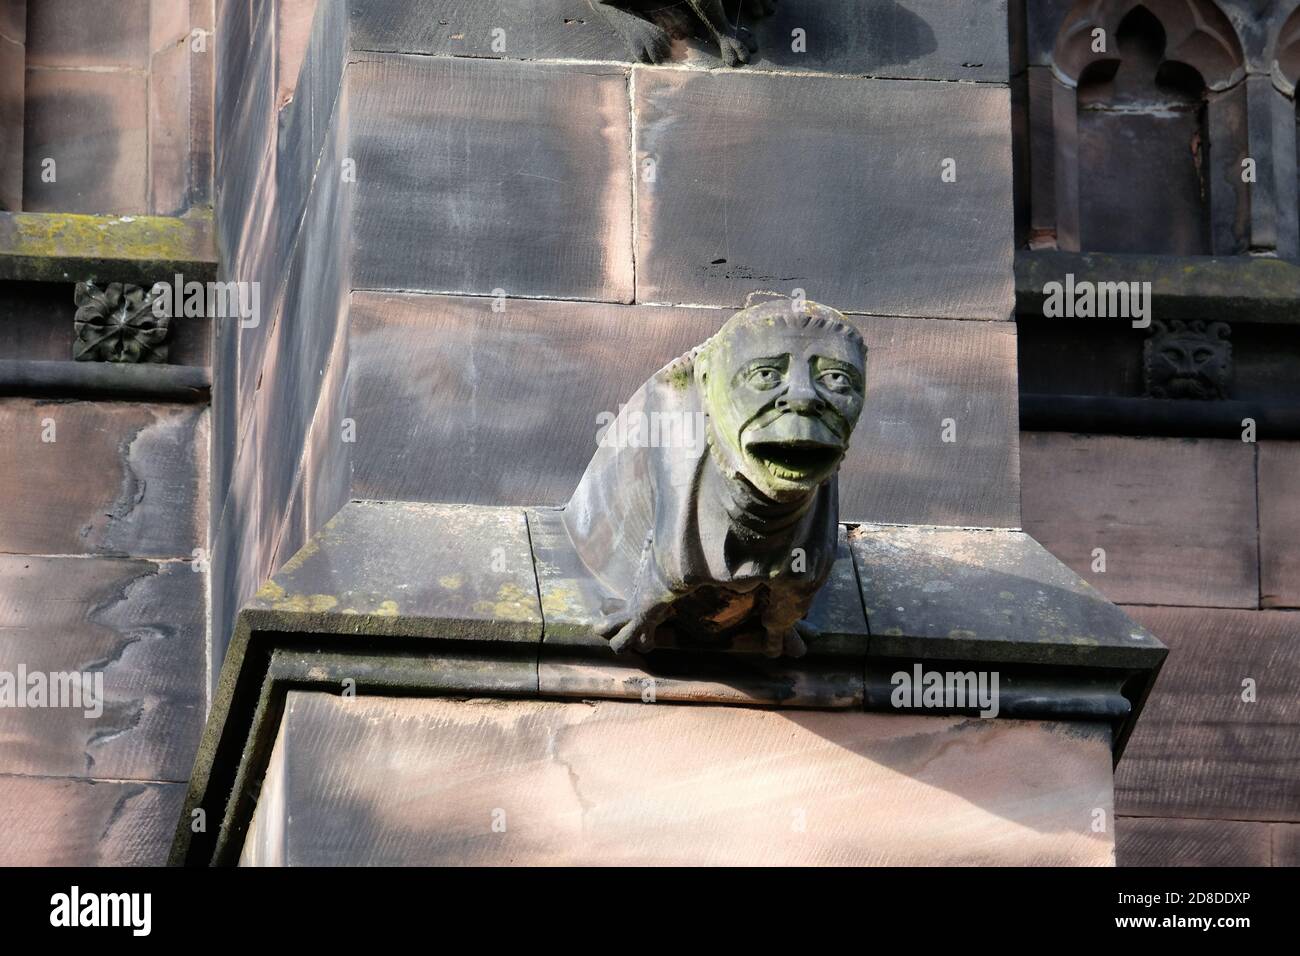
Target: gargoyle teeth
<point>795,461</point>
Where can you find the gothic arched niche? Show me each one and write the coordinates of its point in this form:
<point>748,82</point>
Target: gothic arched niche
<point>1149,120</point>
<point>1142,147</point>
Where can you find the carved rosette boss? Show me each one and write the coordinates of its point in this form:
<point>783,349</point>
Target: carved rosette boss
<point>118,324</point>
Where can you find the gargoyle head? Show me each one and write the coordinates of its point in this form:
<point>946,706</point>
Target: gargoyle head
<point>1188,360</point>
<point>783,385</point>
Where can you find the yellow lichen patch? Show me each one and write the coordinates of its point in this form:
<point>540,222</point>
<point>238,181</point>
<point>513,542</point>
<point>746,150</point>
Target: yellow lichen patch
<point>270,591</point>
<point>299,559</point>
<point>307,603</point>
<point>961,634</point>
<point>451,582</point>
<point>387,609</point>
<point>512,603</point>
<point>561,600</point>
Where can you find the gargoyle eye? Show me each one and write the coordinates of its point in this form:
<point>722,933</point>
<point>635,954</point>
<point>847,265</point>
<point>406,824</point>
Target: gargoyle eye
<point>836,380</point>
<point>765,376</point>
<point>1203,355</point>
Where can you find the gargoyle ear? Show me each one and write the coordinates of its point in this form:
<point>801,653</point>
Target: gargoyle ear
<point>763,295</point>
<point>1219,330</point>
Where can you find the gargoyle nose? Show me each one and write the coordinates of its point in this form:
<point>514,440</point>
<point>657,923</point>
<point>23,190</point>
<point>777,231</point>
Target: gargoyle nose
<point>803,398</point>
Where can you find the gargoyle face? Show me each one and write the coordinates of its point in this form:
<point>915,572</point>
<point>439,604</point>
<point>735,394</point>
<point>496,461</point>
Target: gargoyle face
<point>782,402</point>
<point>1188,360</point>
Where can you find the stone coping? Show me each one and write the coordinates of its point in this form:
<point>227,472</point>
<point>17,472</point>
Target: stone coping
<point>69,247</point>
<point>1227,288</point>
<point>401,598</point>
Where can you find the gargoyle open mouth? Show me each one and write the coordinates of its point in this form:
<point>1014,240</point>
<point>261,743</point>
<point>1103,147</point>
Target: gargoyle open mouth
<point>797,459</point>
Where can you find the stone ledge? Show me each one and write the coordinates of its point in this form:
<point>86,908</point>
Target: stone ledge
<point>400,598</point>
<point>107,380</point>
<point>67,247</point>
<point>1230,289</point>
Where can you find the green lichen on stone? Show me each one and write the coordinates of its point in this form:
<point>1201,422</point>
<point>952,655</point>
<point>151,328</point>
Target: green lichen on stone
<point>57,247</point>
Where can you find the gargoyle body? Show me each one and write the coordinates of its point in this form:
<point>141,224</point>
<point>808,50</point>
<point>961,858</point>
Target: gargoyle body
<point>649,42</point>
<point>713,509</point>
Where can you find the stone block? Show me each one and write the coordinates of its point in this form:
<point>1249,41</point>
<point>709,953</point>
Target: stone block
<point>1201,749</point>
<point>987,595</point>
<point>86,822</point>
<point>136,633</point>
<point>407,781</point>
<point>1175,517</point>
<point>477,175</point>
<point>119,478</point>
<point>843,198</point>
<point>94,126</point>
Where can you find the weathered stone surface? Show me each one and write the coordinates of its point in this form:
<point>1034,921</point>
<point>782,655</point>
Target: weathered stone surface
<point>94,125</point>
<point>386,780</point>
<point>61,33</point>
<point>987,595</point>
<point>734,206</point>
<point>118,478</point>
<point>13,20</point>
<point>1201,750</point>
<point>404,568</point>
<point>1154,841</point>
<point>1175,517</point>
<point>293,30</point>
<point>12,82</point>
<point>923,376</point>
<point>169,23</point>
<point>1286,844</point>
<point>477,175</point>
<point>1279,524</point>
<point>449,397</point>
<point>137,627</point>
<point>169,130</point>
<point>924,39</point>
<point>86,823</point>
<point>201,106</point>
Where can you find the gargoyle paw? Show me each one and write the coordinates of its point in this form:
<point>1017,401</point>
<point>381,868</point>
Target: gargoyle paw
<point>734,52</point>
<point>649,43</point>
<point>636,635</point>
<point>746,36</point>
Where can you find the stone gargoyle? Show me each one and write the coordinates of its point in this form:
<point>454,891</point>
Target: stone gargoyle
<point>725,529</point>
<point>649,42</point>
